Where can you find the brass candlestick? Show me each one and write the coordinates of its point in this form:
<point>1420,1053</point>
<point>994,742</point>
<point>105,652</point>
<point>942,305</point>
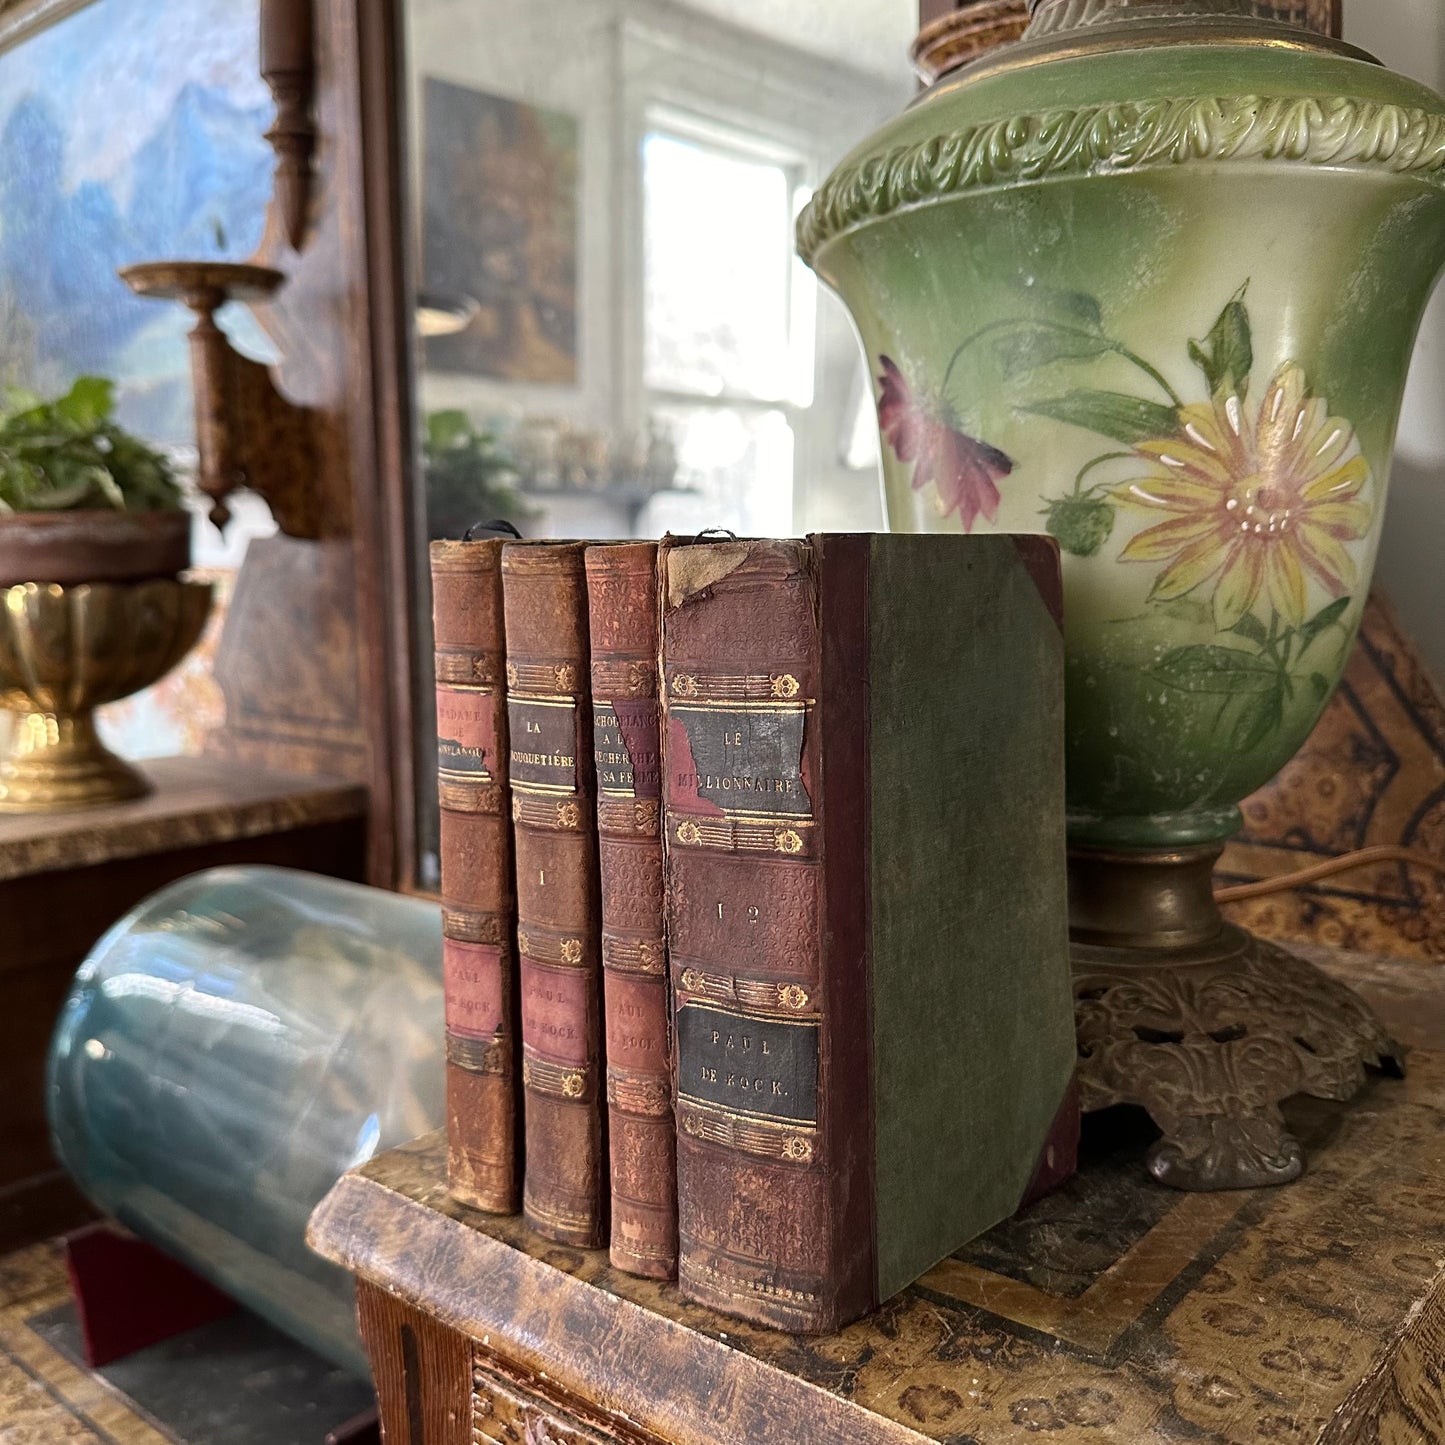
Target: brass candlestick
<point>247,433</point>
<point>64,651</point>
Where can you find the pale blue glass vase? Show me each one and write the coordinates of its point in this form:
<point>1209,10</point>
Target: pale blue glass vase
<point>229,1049</point>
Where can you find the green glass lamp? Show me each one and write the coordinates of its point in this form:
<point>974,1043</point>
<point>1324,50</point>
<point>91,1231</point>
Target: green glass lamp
<point>1150,280</point>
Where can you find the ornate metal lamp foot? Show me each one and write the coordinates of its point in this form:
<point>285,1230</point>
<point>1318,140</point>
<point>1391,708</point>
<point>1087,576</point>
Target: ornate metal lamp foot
<point>1210,1035</point>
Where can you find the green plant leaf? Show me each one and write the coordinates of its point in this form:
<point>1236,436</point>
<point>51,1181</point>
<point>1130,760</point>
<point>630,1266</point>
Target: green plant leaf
<point>1226,355</point>
<point>1325,618</point>
<point>66,453</point>
<point>1126,419</point>
<point>1259,718</point>
<point>1321,685</point>
<point>1042,343</point>
<point>1251,627</point>
<point>88,403</point>
<point>64,499</point>
<point>18,399</point>
<point>447,428</point>
<point>469,476</point>
<point>1221,671</point>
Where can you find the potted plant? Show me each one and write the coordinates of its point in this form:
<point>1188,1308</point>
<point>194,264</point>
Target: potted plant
<point>469,477</point>
<point>81,499</point>
<point>93,536</point>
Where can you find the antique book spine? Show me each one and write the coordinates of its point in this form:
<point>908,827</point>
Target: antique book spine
<point>867,930</point>
<point>759,1232</point>
<point>483,1084</point>
<point>559,924</point>
<point>626,719</point>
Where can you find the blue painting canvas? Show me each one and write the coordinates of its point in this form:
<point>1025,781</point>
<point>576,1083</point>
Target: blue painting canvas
<point>131,131</point>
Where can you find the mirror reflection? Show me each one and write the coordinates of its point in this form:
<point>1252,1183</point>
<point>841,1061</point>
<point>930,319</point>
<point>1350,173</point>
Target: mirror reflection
<point>614,335</point>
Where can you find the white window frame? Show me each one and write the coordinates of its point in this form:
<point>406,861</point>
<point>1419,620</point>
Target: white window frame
<point>710,82</point>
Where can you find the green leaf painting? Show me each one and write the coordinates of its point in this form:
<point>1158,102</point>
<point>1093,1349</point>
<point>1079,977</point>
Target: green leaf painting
<point>1039,344</point>
<point>1128,419</point>
<point>1256,503</point>
<point>1321,621</point>
<point>1258,718</point>
<point>1226,355</point>
<point>1251,627</point>
<point>1081,524</point>
<point>1225,671</point>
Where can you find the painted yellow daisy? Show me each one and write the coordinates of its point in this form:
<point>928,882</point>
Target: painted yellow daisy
<point>1258,505</point>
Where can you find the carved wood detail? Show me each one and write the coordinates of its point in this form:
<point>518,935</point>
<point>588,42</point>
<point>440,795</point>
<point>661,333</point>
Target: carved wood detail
<point>319,651</point>
<point>506,1413</point>
<point>288,65</point>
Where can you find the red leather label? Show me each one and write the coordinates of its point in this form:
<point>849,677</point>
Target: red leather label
<point>637,1024</point>
<point>555,1012</point>
<point>474,992</point>
<point>466,733</point>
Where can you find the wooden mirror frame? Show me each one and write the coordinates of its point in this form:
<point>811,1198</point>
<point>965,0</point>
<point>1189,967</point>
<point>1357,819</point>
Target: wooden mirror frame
<point>319,659</point>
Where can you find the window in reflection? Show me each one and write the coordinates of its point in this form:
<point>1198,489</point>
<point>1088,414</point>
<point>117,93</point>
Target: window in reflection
<point>717,233</point>
<point>728,319</point>
<point>653,155</point>
<point>604,227</point>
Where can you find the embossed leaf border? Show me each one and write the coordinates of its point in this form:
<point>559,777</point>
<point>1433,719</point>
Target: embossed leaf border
<point>1125,137</point>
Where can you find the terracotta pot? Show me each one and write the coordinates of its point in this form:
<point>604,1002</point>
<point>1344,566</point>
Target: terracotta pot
<point>94,546</point>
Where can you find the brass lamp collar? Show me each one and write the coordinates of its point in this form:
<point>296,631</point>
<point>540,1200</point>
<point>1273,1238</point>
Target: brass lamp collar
<point>1073,29</point>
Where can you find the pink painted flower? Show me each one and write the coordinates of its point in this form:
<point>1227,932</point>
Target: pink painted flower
<point>963,470</point>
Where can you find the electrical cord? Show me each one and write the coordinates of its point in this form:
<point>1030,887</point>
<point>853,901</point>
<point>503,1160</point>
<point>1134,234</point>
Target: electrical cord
<point>1348,863</point>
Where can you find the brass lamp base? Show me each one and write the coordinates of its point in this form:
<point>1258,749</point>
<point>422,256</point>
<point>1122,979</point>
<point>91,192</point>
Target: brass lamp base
<point>1205,1026</point>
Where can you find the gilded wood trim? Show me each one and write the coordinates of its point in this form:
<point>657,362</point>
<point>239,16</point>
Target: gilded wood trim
<point>1097,1319</point>
<point>1236,1317</point>
<point>681,1385</point>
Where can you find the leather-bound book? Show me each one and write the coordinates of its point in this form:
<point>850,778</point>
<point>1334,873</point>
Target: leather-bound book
<point>554,830</point>
<point>863,788</point>
<point>483,1054</point>
<point>626,724</point>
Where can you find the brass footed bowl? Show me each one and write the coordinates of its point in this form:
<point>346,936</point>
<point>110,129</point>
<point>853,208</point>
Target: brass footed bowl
<point>67,650</point>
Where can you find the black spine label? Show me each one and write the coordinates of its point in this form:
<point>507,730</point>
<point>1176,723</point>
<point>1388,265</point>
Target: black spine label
<point>625,741</point>
<point>544,744</point>
<point>759,1068</point>
<point>741,760</point>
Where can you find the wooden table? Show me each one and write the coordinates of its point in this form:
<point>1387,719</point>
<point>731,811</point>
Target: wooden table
<point>66,877</point>
<point>1116,1313</point>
